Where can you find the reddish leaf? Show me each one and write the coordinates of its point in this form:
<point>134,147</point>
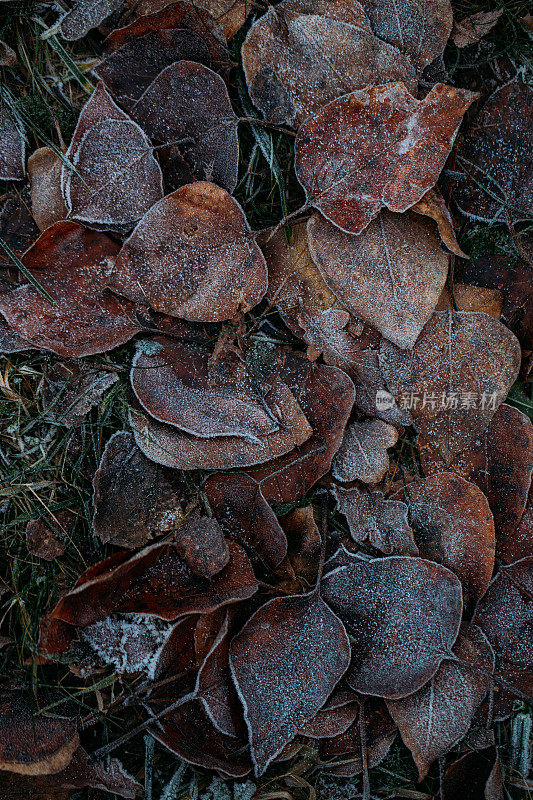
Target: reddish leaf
<point>403,617</point>
<point>241,509</point>
<point>41,534</point>
<point>11,342</point>
<point>363,453</point>
<point>285,662</point>
<point>383,522</point>
<point>189,103</point>
<point>465,359</point>
<point>202,545</point>
<point>47,204</point>
<point>73,265</point>
<point>72,389</point>
<point>301,565</point>
<point>335,716</point>
<point>432,205</point>
<point>17,226</point>
<point>230,14</point>
<point>473,28</point>
<point>85,15</point>
<point>193,256</point>
<point>376,147</point>
<point>433,719</point>
<point>473,776</point>
<point>12,166</point>
<point>390,276</point>
<point>298,57</point>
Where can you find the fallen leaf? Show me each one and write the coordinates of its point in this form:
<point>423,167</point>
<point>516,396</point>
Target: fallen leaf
<point>496,157</point>
<point>476,298</point>
<point>458,373</point>
<point>134,500</point>
<point>383,523</point>
<point>374,148</point>
<point>85,15</point>
<point>8,57</point>
<point>335,716</point>
<point>363,453</point>
<point>47,204</point>
<point>300,652</point>
<point>417,27</point>
<point>473,28</point>
<point>230,14</point>
<point>432,205</point>
<point>298,57</point>
<point>390,276</point>
<point>193,256</point>
<point>241,509</point>
<point>402,615</point>
<point>72,389</point>
<point>303,550</point>
<point>114,178</point>
<point>433,719</point>
<point>17,226</point>
<point>201,544</point>
<point>12,166</point>
<point>41,534</point>
<point>11,342</point>
<point>475,775</point>
<point>73,265</point>
<point>188,106</point>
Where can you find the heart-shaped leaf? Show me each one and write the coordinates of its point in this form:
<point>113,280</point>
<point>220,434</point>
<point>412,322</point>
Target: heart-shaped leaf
<point>363,453</point>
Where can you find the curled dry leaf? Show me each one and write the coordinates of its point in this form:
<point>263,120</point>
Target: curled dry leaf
<point>500,462</point>
<point>73,265</point>
<point>377,147</point>
<point>383,523</point>
<point>114,178</point>
<point>241,509</point>
<point>201,544</point>
<point>128,71</point>
<point>420,28</point>
<point>363,453</point>
<point>432,205</point>
<point>498,144</point>
<point>473,28</point>
<point>462,365</point>
<point>390,276</point>
<point>85,15</point>
<point>433,719</point>
<point>402,615</point>
<point>453,525</point>
<point>286,662</point>
<point>134,499</point>
<point>47,204</point>
<point>193,256</point>
<point>72,389</point>
<point>175,382</point>
<point>298,57</point>
<point>188,106</point>
<point>12,166</point>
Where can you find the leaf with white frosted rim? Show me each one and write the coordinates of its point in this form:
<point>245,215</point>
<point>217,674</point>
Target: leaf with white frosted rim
<point>47,204</point>
<point>285,663</point>
<point>402,615</point>
<point>376,147</point>
<point>296,59</point>
<point>363,453</point>
<point>193,256</point>
<point>12,167</point>
<point>188,105</point>
<point>390,276</point>
<point>85,15</point>
<point>458,355</point>
<point>433,719</point>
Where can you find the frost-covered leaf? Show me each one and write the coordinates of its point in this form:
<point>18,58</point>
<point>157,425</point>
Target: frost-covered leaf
<point>420,28</point>
<point>363,453</point>
<point>73,388</point>
<point>432,205</point>
<point>193,256</point>
<point>302,562</point>
<point>433,719</point>
<point>479,771</point>
<point>8,57</point>
<point>458,373</point>
<point>286,662</point>
<point>73,265</point>
<point>12,166</point>
<point>47,204</point>
<point>188,106</point>
<point>500,462</point>
<point>390,276</point>
<point>229,14</point>
<point>85,15</point>
<point>17,226</point>
<point>474,27</point>
<point>402,615</point>
<point>299,56</point>
<point>496,156</point>
<point>241,509</point>
<point>44,535</point>
<point>134,499</point>
<point>377,147</point>
<point>383,523</point>
<point>201,544</point>
<point>335,716</point>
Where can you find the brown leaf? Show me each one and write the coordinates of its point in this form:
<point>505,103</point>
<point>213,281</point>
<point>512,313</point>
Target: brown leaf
<point>433,719</point>
<point>11,342</point>
<point>72,389</point>
<point>193,256</point>
<point>402,615</point>
<point>298,57</point>
<point>8,57</point>
<point>500,462</point>
<point>363,453</point>
<point>241,509</point>
<point>12,165</point>
<point>473,28</point>
<point>335,716</point>
<point>420,28</point>
<point>85,15</point>
<point>383,522</point>
<point>201,544</point>
<point>453,525</point>
<point>474,775</point>
<point>116,178</point>
<point>134,499</point>
<point>189,103</point>
<point>377,147</point>
<point>17,226</point>
<point>41,534</point>
<point>498,145</point>
<point>230,14</point>
<point>432,205</point>
<point>465,359</point>
<point>285,663</point>
<point>476,298</point>
<point>304,547</point>
<point>390,276</point>
<point>47,204</point>
<point>73,265</point>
